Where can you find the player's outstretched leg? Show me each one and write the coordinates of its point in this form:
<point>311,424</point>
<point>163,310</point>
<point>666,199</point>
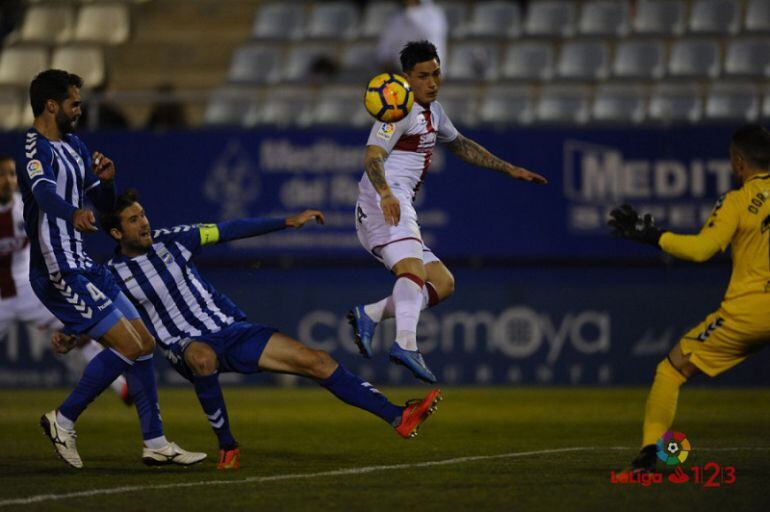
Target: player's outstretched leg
<point>286,355</point>
<point>660,409</point>
<point>90,349</point>
<point>201,359</point>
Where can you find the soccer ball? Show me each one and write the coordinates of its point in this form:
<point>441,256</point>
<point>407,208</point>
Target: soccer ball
<point>388,97</point>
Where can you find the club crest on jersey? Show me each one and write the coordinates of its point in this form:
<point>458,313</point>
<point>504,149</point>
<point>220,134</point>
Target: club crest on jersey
<point>34,168</point>
<point>386,131</point>
<point>165,256</point>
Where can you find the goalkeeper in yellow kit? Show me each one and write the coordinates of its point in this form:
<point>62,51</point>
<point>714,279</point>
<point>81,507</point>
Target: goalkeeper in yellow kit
<point>741,325</point>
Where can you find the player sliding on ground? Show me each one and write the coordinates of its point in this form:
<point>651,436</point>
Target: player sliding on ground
<point>202,332</point>
<point>741,325</point>
<point>59,172</point>
<point>396,161</point>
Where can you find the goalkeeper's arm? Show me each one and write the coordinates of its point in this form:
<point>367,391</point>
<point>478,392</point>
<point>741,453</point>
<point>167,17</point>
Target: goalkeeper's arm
<point>245,228</point>
<point>688,247</point>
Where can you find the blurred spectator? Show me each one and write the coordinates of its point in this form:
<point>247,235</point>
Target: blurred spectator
<point>420,19</point>
<point>168,113</point>
<point>11,15</point>
<point>102,114</point>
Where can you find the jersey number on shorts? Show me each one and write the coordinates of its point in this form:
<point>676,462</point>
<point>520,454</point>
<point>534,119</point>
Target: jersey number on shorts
<point>95,292</point>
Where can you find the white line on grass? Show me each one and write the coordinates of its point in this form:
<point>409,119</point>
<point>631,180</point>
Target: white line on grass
<point>337,472</point>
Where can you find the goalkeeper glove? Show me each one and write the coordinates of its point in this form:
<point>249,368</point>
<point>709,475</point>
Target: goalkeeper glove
<point>626,223</point>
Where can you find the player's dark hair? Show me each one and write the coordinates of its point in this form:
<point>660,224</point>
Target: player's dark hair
<point>415,52</point>
<point>753,142</point>
<point>52,84</point>
<point>111,219</point>
<point>6,156</point>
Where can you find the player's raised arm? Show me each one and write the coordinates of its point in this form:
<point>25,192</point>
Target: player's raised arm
<point>100,184</point>
<point>627,223</point>
<point>230,230</point>
<point>374,164</point>
<point>474,153</point>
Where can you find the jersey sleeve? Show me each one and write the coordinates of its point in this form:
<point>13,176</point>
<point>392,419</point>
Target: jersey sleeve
<point>446,129</point>
<point>190,236</point>
<point>386,135</point>
<point>723,221</point>
<point>38,164</point>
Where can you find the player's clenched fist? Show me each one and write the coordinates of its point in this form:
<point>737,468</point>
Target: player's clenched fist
<point>103,167</point>
<point>84,221</point>
<point>391,209</point>
<point>299,220</point>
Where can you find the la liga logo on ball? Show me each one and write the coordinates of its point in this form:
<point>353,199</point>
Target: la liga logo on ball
<point>673,448</point>
<point>388,97</point>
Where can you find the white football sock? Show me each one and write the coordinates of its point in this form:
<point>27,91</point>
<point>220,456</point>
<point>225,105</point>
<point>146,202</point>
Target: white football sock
<point>408,299</point>
<point>64,422</point>
<point>156,443</point>
<point>386,308</point>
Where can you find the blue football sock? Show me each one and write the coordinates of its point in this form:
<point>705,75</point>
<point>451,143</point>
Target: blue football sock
<point>97,376</point>
<point>144,390</point>
<point>213,402</point>
<point>355,391</point>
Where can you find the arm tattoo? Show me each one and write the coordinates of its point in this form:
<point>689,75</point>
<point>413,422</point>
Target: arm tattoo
<point>375,169</point>
<point>472,152</point>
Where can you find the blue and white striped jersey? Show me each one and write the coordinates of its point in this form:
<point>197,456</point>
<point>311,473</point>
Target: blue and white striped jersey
<point>174,301</point>
<point>55,244</point>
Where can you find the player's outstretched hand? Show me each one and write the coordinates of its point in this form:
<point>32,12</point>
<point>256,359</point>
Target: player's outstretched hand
<point>84,221</point>
<point>103,167</point>
<point>521,173</point>
<point>391,209</point>
<point>63,343</point>
<point>299,220</point>
<point>626,223</point>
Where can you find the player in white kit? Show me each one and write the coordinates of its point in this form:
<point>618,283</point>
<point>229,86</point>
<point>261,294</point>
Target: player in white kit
<point>17,300</point>
<point>396,161</point>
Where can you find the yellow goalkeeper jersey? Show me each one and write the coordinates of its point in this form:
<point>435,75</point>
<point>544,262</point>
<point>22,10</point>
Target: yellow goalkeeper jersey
<point>741,218</point>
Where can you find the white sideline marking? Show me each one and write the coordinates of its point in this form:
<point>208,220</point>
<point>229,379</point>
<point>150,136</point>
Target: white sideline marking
<point>296,476</point>
<point>337,472</point>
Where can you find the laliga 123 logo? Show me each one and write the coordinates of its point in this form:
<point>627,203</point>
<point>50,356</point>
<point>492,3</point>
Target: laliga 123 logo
<point>673,448</point>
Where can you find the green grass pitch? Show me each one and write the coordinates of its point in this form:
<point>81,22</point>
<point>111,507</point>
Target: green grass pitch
<point>517,449</point>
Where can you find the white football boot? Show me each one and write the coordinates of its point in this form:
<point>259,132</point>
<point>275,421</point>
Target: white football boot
<point>171,454</point>
<point>63,440</point>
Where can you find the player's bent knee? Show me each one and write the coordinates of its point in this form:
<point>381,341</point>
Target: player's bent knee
<point>201,359</point>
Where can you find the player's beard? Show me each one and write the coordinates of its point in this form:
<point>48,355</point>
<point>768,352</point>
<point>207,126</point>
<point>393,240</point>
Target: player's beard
<point>65,123</point>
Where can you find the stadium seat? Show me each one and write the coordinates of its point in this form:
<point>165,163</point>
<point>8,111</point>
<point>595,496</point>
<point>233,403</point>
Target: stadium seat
<point>339,106</point>
<point>675,103</point>
<point>757,18</point>
<point>48,24</point>
<point>530,60</point>
<point>376,17</point>
<point>604,18</point>
<point>20,64</point>
<point>748,57</point>
<point>639,60</point>
<point>494,19</point>
<point>105,23</point>
<point>583,60</point>
<point>619,104</point>
<point>11,105</point>
<point>715,17</point>
<point>456,15</point>
<point>732,102</point>
<point>474,61</point>
<point>460,104</point>
<point>286,106</point>
<point>694,58</point>
<point>550,18</point>
<point>563,104</point>
<point>332,20</point>
<point>279,21</point>
<point>359,62</point>
<point>228,107</point>
<point>507,105</point>
<point>257,64</point>
<point>659,17</point>
<point>86,61</point>
<point>303,57</point>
